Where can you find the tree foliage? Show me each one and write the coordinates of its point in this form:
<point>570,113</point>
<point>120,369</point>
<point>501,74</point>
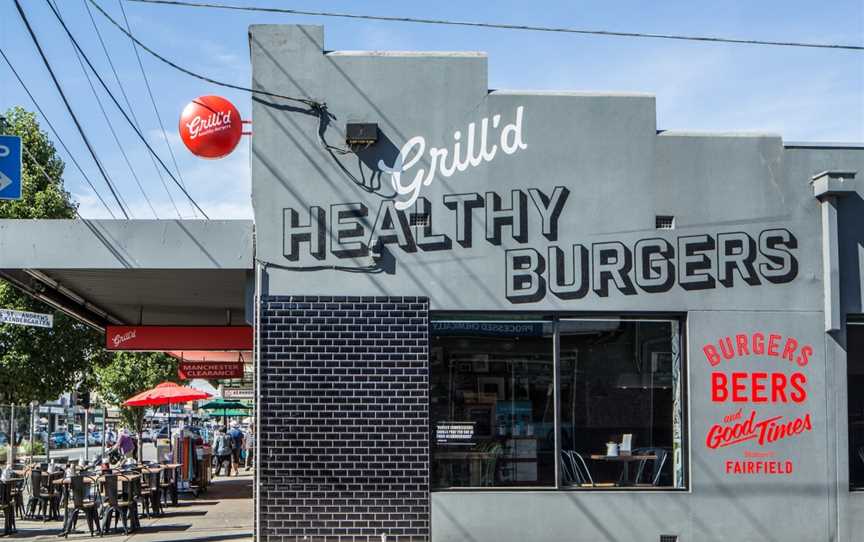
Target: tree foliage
<point>38,364</point>
<point>41,197</point>
<point>130,373</point>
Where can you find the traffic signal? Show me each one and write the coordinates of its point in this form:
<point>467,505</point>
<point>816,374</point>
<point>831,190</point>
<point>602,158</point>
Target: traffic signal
<point>82,399</point>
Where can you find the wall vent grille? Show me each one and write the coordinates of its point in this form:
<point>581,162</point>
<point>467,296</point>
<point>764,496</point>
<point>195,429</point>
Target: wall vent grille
<point>421,220</point>
<point>668,538</point>
<point>664,222</point>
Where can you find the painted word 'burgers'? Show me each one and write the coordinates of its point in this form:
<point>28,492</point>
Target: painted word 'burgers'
<point>655,265</point>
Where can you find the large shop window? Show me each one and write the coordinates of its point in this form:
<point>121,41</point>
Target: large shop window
<point>494,399</point>
<point>855,381</point>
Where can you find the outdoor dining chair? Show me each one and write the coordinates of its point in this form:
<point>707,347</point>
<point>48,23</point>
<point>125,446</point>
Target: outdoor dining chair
<point>18,497</point>
<point>7,506</point>
<point>114,505</point>
<point>132,489</point>
<point>166,486</point>
<point>82,502</point>
<point>42,500</point>
<point>151,493</point>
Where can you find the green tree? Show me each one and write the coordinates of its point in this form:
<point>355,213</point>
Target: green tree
<point>38,364</point>
<point>130,373</point>
<point>41,197</point>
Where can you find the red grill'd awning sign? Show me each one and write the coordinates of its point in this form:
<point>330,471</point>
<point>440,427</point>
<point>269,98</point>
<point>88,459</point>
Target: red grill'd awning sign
<point>188,370</point>
<point>178,338</point>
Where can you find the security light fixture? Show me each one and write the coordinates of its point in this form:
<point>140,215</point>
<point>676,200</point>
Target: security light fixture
<point>361,134</point>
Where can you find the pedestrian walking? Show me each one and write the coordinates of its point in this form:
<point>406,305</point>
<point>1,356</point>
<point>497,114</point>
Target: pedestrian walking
<point>249,446</point>
<point>222,451</point>
<point>236,436</point>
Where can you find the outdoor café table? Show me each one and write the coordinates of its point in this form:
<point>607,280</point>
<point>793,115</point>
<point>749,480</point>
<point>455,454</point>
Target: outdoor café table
<point>625,460</point>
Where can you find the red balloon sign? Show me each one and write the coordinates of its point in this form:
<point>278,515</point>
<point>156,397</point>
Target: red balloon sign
<point>210,127</point>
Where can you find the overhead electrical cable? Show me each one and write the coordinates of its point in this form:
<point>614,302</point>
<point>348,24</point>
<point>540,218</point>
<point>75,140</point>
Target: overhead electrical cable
<point>128,103</point>
<point>312,104</point>
<point>114,135</point>
<point>57,134</point>
<point>47,177</point>
<point>120,108</point>
<point>116,138</point>
<point>80,129</point>
<point>152,100</point>
<point>502,26</point>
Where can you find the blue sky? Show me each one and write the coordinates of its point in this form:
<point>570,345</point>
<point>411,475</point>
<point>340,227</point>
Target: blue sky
<point>802,94</point>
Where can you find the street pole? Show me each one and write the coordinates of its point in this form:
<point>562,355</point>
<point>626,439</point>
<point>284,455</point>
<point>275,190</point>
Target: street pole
<point>86,436</point>
<point>104,428</point>
<point>33,409</point>
<point>11,458</point>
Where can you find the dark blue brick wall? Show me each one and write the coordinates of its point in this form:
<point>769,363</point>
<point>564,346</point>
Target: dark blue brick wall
<point>344,430</point>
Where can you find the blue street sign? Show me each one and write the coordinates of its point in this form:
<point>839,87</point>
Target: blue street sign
<point>10,167</point>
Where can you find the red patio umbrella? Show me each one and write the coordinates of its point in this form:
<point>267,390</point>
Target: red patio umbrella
<point>166,393</point>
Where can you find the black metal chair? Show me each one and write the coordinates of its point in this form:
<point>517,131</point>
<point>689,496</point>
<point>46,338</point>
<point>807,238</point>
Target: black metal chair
<point>18,497</point>
<point>7,506</point>
<point>82,502</point>
<point>113,504</point>
<point>132,488</point>
<point>52,493</point>
<point>43,501</point>
<point>151,493</point>
<point>167,487</point>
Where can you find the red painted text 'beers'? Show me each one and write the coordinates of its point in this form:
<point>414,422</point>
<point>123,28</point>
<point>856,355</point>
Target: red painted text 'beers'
<point>210,127</point>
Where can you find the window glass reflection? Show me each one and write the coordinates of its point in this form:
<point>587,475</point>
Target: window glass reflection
<point>492,403</point>
<point>620,404</point>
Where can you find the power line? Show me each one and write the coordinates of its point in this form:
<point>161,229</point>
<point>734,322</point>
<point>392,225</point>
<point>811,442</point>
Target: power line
<point>501,26</point>
<point>114,135</point>
<point>312,104</point>
<point>152,99</point>
<point>120,108</point>
<point>69,106</point>
<point>56,134</point>
<point>45,174</point>
<point>128,103</point>
<point>4,122</point>
<point>153,103</point>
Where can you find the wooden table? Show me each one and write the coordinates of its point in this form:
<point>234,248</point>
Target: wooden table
<point>625,460</point>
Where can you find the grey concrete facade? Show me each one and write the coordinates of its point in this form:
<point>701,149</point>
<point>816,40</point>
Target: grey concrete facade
<point>562,219</point>
<point>554,211</point>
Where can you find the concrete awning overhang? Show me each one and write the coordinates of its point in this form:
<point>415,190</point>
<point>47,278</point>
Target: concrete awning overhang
<point>133,272</point>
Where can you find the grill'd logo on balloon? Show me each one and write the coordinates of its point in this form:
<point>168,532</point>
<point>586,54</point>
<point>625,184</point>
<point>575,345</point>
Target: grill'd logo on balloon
<point>210,127</point>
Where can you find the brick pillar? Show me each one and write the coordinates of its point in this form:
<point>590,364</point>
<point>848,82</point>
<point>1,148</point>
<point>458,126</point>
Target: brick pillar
<point>344,430</point>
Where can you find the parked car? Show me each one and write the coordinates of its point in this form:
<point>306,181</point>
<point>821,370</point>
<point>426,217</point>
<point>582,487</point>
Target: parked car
<point>146,435</point>
<point>60,439</point>
<point>77,439</point>
<point>4,439</point>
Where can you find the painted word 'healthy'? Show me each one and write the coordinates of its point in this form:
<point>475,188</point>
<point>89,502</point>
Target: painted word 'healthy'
<point>475,153</point>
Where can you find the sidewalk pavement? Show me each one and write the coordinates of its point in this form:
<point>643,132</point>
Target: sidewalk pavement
<point>223,513</point>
